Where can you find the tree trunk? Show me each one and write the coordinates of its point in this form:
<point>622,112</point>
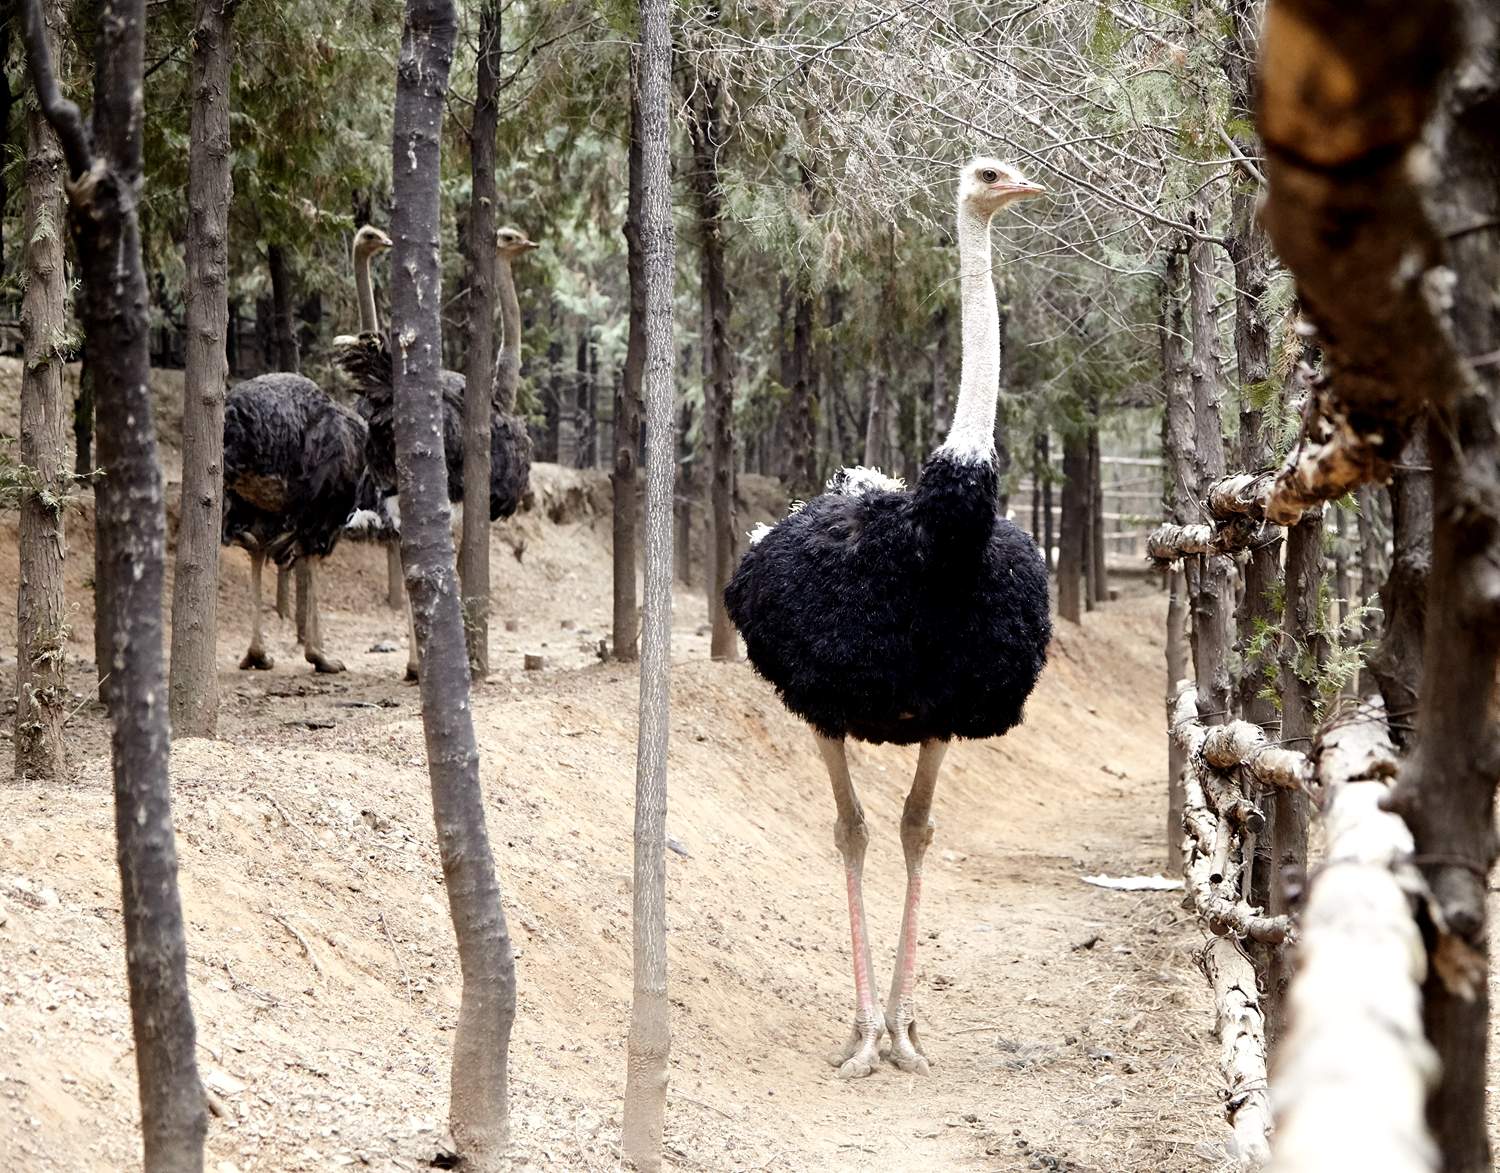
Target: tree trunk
<point>877,391</point>
<point>649,1042</point>
<point>1002,413</point>
<point>1038,470</point>
<point>942,400</point>
<point>284,593</point>
<point>718,386</point>
<point>1177,672</point>
<point>283,338</point>
<point>130,543</point>
<point>1397,662</point>
<point>8,98</point>
<point>628,400</point>
<point>41,629</point>
<point>474,568</point>
<point>1212,604</point>
<point>1071,547</point>
<point>1302,654</point>
<point>1098,577</point>
<point>479,1104</point>
<point>302,579</point>
<point>83,421</point>
<point>800,435</point>
<point>1447,786</point>
<point>195,587</point>
<point>1048,542</point>
<point>1088,521</point>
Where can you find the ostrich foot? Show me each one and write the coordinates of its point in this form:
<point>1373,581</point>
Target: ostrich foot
<point>257,659</point>
<point>860,1054</point>
<point>412,675</point>
<point>906,1050</point>
<point>324,664</point>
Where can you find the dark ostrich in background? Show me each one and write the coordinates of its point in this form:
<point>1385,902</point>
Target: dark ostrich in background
<point>366,359</point>
<point>292,462</point>
<point>907,617</point>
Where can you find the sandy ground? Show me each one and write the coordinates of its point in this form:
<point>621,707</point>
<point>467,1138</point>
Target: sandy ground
<point>1068,1026</point>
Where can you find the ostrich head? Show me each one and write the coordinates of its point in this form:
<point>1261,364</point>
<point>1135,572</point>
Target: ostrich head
<point>512,242</point>
<point>988,185</point>
<point>369,240</point>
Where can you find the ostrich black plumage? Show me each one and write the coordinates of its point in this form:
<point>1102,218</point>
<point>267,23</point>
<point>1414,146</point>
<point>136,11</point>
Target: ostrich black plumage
<point>366,359</point>
<point>292,461</point>
<point>902,616</point>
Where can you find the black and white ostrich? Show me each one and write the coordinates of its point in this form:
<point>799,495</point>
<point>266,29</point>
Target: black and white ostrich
<point>902,616</point>
<point>292,461</point>
<point>366,359</point>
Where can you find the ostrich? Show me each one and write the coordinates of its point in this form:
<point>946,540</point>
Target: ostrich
<point>366,359</point>
<point>902,616</point>
<point>292,461</point>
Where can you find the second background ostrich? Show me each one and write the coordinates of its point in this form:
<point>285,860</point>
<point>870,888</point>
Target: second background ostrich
<point>366,359</point>
<point>907,617</point>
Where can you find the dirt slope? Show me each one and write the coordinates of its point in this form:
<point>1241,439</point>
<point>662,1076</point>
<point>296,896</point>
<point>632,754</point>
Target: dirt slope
<point>1065,1023</point>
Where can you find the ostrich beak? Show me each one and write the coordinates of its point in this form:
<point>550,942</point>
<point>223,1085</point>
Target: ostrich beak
<point>1025,188</point>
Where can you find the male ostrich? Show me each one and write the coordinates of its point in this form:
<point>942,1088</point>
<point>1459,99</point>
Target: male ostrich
<point>905,616</point>
<point>366,359</point>
<point>292,460</point>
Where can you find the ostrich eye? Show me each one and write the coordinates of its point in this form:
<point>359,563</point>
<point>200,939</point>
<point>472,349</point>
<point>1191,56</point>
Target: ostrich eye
<point>989,175</point>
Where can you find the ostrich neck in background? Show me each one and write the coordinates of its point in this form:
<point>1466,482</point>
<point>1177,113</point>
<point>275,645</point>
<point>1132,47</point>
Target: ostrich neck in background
<point>368,322</point>
<point>972,436</point>
<point>508,363</point>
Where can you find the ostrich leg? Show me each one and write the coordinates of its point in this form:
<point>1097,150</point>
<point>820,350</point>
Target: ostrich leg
<point>413,662</point>
<point>859,1055</point>
<point>916,834</point>
<point>256,656</point>
<point>313,649</point>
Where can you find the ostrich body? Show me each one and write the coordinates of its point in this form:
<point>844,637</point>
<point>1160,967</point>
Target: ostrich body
<point>902,616</point>
<point>366,360</point>
<point>292,461</point>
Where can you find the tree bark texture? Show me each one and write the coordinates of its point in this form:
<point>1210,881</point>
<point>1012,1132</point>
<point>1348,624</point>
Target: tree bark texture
<point>1396,663</point>
<point>1072,543</point>
<point>628,401</point>
<point>83,422</point>
<point>1177,672</point>
<point>41,637</point>
<point>283,337</point>
<point>1447,786</point>
<point>130,545</point>
<point>1212,604</point>
<point>1098,570</point>
<point>648,1046</point>
<point>194,689</point>
<point>718,374</point>
<point>1345,94</point>
<point>479,1106</point>
<point>474,568</point>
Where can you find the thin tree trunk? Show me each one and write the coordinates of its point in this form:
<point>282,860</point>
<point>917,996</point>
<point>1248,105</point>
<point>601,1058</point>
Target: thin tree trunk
<point>649,1041</point>
<point>1048,536</point>
<point>877,386</point>
<point>1447,786</point>
<point>941,398</point>
<point>1088,521</point>
<point>130,543</point>
<point>1071,547</point>
<point>1177,672</point>
<point>1002,412</point>
<point>41,629</point>
<point>1302,654</point>
<point>1212,604</point>
<point>194,689</point>
<point>718,387</point>
<point>1098,577</point>
<point>474,568</point>
<point>1397,663</point>
<point>283,338</point>
<point>479,1103</point>
<point>1038,470</point>
<point>628,400</point>
<point>83,422</point>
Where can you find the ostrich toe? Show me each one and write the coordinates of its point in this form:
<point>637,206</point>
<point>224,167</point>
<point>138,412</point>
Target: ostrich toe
<point>906,1051</point>
<point>860,1054</point>
<point>257,659</point>
<point>324,664</point>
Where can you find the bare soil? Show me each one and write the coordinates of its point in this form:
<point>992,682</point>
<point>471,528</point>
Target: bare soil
<point>1068,1026</point>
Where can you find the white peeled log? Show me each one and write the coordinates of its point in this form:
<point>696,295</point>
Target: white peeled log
<point>1241,744</point>
<point>1242,1051</point>
<point>1355,1068</point>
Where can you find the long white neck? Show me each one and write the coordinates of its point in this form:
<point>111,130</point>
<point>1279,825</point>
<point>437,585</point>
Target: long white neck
<point>508,362</point>
<point>368,322</point>
<point>972,436</point>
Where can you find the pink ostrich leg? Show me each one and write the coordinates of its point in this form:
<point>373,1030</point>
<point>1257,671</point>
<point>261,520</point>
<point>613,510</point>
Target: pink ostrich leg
<point>859,1055</point>
<point>916,834</point>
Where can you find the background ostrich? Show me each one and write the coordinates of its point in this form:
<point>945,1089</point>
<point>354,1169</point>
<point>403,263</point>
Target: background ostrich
<point>292,461</point>
<point>895,616</point>
<point>366,359</point>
